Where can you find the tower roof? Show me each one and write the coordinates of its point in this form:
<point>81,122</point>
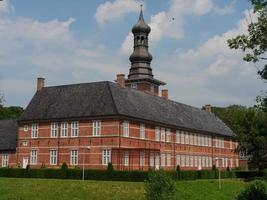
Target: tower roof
<point>141,25</point>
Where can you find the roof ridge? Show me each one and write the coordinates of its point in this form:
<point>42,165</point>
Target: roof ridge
<point>75,84</point>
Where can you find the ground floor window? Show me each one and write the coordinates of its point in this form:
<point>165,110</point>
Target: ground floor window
<point>142,158</point>
<point>126,158</point>
<point>106,156</point>
<point>53,157</point>
<point>169,160</point>
<point>163,160</point>
<point>5,158</point>
<point>74,157</point>
<point>151,163</point>
<point>33,157</point>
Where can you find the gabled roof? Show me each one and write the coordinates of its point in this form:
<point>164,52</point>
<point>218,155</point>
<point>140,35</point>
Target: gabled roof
<point>8,135</point>
<point>109,99</point>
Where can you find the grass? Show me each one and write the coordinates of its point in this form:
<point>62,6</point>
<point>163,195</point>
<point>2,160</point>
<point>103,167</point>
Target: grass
<point>44,189</point>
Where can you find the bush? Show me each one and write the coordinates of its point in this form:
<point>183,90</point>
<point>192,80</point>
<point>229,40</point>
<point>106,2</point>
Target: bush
<point>254,191</point>
<point>110,170</point>
<point>159,186</point>
<point>189,175</point>
<point>246,174</point>
<point>178,172</point>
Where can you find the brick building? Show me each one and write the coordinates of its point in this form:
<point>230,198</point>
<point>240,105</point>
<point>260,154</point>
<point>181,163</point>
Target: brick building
<point>127,123</point>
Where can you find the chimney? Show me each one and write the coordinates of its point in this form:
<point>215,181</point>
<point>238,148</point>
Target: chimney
<point>207,108</point>
<point>164,94</point>
<point>121,80</point>
<point>40,83</point>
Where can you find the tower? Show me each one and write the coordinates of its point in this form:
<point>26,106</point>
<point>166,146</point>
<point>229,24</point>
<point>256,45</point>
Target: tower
<point>140,74</point>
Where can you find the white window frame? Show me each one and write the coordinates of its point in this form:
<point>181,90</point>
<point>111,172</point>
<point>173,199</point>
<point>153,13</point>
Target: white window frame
<point>126,128</point>
<point>74,157</point>
<point>157,134</point>
<point>96,128</point>
<point>162,134</point>
<point>142,131</point>
<point>25,128</point>
<point>195,161</point>
<point>142,158</point>
<point>54,130</point>
<point>182,160</point>
<point>34,130</point>
<point>169,160</point>
<point>162,160</point>
<point>74,129</point>
<point>178,160</point>
<point>187,160</point>
<point>168,135</point>
<point>191,161</point>
<point>64,129</point>
<point>5,160</point>
<point>182,137</point>
<point>53,157</point>
<point>106,156</point>
<point>177,139</point>
<point>126,158</point>
<point>34,157</point>
<point>186,138</point>
<point>152,160</point>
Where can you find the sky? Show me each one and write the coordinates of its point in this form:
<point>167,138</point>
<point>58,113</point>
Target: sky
<point>69,42</point>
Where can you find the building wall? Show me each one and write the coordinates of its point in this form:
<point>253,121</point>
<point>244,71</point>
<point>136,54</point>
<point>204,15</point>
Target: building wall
<point>90,148</point>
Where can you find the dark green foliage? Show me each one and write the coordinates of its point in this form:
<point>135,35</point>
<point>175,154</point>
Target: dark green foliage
<point>12,112</point>
<point>64,166</point>
<point>178,171</point>
<point>254,191</point>
<point>246,174</point>
<point>159,186</point>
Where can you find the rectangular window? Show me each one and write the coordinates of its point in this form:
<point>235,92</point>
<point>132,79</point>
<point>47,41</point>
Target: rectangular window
<point>152,160</point>
<point>157,133</point>
<point>199,161</point>
<point>231,162</point>
<point>126,128</point>
<point>182,137</point>
<point>169,161</point>
<point>142,158</point>
<point>74,129</point>
<point>25,128</point>
<point>5,158</point>
<point>33,159</point>
<point>191,161</point>
<point>64,129</point>
<point>222,143</point>
<point>163,134</point>
<point>182,160</point>
<point>168,133</point>
<point>207,161</point>
<point>126,158</point>
<point>163,160</point>
<point>187,160</point>
<point>210,162</point>
<point>191,139</point>
<point>106,156</point>
<point>186,138</point>
<point>178,160</point>
<point>74,157</point>
<point>199,140</point>
<point>34,131</point>
<point>178,137</point>
<point>195,139</point>
<point>210,141</point>
<point>231,144</point>
<point>142,131</point>
<point>96,128</point>
<point>54,129</point>
<point>226,162</point>
<point>53,157</point>
<point>195,161</point>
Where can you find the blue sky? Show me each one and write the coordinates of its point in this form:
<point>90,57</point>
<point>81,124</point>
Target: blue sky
<point>84,41</point>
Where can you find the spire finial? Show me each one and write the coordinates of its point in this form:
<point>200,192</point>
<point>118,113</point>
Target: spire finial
<point>141,17</point>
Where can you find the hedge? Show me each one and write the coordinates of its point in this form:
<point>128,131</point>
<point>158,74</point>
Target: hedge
<point>135,176</point>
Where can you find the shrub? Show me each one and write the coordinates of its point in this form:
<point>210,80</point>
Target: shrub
<point>254,191</point>
<point>110,171</point>
<point>178,172</point>
<point>189,175</point>
<point>159,186</point>
<point>64,166</point>
<point>246,174</point>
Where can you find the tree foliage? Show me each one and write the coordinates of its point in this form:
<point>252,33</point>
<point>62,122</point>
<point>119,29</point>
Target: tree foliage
<point>254,191</point>
<point>12,112</point>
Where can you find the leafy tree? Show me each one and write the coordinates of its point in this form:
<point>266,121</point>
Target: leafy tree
<point>254,191</point>
<point>254,43</point>
<point>11,112</point>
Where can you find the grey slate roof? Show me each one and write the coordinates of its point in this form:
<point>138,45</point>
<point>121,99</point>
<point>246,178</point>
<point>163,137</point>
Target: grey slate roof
<point>109,99</point>
<point>8,135</point>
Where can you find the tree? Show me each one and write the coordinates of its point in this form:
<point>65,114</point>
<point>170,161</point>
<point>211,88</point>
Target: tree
<point>254,191</point>
<point>254,43</point>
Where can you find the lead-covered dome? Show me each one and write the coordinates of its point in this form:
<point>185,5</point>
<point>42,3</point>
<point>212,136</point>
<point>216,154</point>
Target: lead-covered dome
<point>141,26</point>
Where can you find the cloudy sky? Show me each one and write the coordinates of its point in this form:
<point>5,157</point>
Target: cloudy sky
<point>85,41</point>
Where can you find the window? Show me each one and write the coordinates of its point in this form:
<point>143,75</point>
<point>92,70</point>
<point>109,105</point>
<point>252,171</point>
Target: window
<point>231,162</point>
<point>226,162</point>
<point>54,129</point>
<point>177,136</point>
<point>191,138</point>
<point>25,128</point>
<point>199,140</point>
<point>163,134</point>
<point>168,135</point>
<point>74,129</point>
<point>126,158</point>
<point>34,132</point>
<point>191,161</point>
<point>134,85</point>
<point>142,158</point>
<point>33,159</point>
<point>53,157</point>
<point>126,129</point>
<point>64,129</point>
<point>210,162</point>
<point>106,156</point>
<point>182,160</point>
<point>207,161</point>
<point>182,137</point>
<point>24,143</point>
<point>199,161</point>
<point>157,133</point>
<point>195,139</point>
<point>74,157</point>
<point>96,128</point>
<point>203,161</point>
<point>231,144</point>
<point>195,161</point>
<point>142,131</point>
<point>178,160</point>
<point>163,160</point>
<point>151,162</point>
<point>169,161</point>
<point>210,141</point>
<point>202,141</point>
<point>187,161</point>
<point>5,160</point>
<point>186,138</point>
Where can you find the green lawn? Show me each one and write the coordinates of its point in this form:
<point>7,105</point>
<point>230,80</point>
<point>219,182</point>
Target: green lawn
<point>44,189</point>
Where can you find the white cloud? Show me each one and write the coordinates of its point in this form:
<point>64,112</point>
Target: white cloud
<point>110,11</point>
<point>228,9</point>
<point>5,6</point>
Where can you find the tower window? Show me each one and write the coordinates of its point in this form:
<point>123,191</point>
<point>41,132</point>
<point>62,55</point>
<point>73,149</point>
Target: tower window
<point>142,39</point>
<point>134,85</point>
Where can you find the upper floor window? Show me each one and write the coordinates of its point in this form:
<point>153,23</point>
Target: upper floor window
<point>157,133</point>
<point>53,157</point>
<point>163,134</point>
<point>96,128</point>
<point>186,138</point>
<point>64,129</point>
<point>5,158</point>
<point>177,136</point>
<point>25,128</point>
<point>74,157</point>
<point>182,137</point>
<point>33,158</point>
<point>126,128</point>
<point>54,129</point>
<point>142,131</point>
<point>74,129</point>
<point>34,131</point>
<point>168,131</point>
<point>106,156</point>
